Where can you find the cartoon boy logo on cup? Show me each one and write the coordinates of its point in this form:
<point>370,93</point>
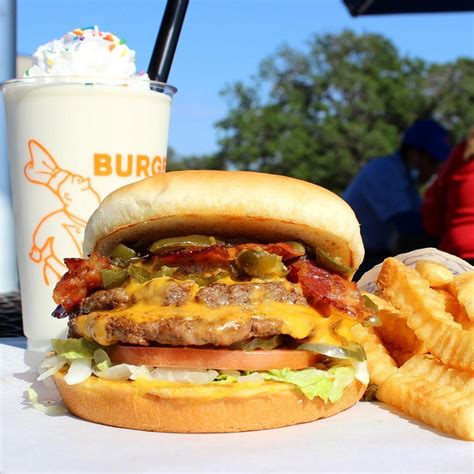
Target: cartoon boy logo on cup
<point>75,197</point>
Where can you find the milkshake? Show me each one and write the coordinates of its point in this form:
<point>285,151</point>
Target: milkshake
<point>81,123</point>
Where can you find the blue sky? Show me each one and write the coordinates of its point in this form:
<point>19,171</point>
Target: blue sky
<point>224,41</point>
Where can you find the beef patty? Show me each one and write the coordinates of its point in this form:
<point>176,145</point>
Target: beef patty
<point>244,294</point>
<point>186,332</point>
<point>104,300</point>
<point>194,330</point>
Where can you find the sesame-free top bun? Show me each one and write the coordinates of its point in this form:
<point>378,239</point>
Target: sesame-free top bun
<point>255,206</point>
<point>129,405</point>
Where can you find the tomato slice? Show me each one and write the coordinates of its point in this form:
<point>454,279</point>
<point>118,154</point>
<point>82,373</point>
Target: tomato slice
<point>221,359</point>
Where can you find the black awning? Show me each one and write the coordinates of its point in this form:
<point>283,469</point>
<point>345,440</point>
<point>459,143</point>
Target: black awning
<point>386,7</point>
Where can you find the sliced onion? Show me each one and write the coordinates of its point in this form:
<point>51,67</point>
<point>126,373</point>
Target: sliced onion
<point>79,371</point>
<point>253,377</point>
<point>140,372</point>
<point>362,372</point>
<point>51,361</point>
<point>59,363</point>
<point>117,372</point>
<point>198,377</point>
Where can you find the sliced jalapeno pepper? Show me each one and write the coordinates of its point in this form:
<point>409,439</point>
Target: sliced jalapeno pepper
<point>260,264</point>
<point>178,243</point>
<point>142,275</point>
<point>374,319</point>
<point>298,246</point>
<point>113,278</point>
<point>165,271</point>
<point>123,252</point>
<point>331,263</point>
<point>351,351</point>
<point>139,274</point>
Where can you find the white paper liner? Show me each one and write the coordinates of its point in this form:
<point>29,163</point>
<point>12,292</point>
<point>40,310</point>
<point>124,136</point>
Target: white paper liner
<point>457,265</point>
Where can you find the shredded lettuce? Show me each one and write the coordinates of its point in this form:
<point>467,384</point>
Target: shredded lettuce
<point>102,359</point>
<point>86,357</point>
<point>103,365</point>
<point>254,377</point>
<point>342,378</point>
<point>74,348</point>
<point>52,410</point>
<point>79,354</point>
<point>328,385</point>
<point>225,378</point>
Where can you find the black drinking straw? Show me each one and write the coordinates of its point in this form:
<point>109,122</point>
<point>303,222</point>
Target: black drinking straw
<point>167,40</point>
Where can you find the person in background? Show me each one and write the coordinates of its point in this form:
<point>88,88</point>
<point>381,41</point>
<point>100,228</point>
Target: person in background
<point>448,208</point>
<point>385,194</point>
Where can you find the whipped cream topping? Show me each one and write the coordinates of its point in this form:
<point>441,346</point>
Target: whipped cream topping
<point>85,52</point>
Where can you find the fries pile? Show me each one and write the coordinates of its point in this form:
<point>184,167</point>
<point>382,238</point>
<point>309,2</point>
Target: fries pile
<point>422,356</point>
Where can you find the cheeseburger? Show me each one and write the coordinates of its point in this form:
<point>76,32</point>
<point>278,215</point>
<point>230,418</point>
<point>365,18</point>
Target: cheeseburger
<point>213,301</point>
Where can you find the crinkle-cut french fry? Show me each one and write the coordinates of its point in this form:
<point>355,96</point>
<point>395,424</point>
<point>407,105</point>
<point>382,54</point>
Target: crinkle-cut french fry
<point>452,306</point>
<point>381,365</point>
<point>394,330</point>
<point>409,292</point>
<point>437,274</point>
<point>433,393</point>
<point>398,355</point>
<point>464,321</point>
<point>463,289</point>
<point>434,371</point>
<point>426,315</point>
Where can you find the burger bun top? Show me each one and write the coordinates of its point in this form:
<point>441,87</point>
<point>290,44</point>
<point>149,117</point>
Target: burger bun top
<point>253,206</point>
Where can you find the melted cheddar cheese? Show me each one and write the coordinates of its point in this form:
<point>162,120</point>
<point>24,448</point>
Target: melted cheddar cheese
<point>298,321</point>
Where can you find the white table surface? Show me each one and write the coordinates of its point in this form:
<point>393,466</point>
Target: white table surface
<point>369,437</point>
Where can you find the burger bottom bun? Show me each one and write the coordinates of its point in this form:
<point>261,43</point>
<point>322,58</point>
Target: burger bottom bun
<point>120,403</point>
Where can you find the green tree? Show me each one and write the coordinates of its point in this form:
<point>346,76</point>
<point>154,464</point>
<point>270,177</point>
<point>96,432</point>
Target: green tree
<point>175,162</point>
<point>320,113</point>
<point>449,94</point>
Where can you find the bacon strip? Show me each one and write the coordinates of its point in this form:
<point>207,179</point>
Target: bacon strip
<point>320,286</point>
<point>218,255</point>
<point>82,278</point>
<point>214,255</point>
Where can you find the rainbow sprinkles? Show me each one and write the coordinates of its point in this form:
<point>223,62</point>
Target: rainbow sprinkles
<point>85,52</point>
